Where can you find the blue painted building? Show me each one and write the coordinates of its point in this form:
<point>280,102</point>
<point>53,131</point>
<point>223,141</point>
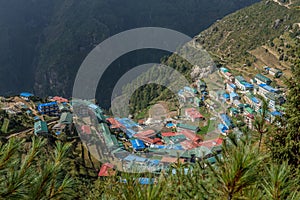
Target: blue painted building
<point>227,121</point>
<point>50,108</point>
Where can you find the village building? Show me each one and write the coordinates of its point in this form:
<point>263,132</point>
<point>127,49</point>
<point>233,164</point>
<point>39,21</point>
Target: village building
<point>242,84</point>
<point>40,128</point>
<point>226,121</point>
<point>274,100</point>
<point>191,136</point>
<point>230,87</point>
<point>277,73</point>
<point>193,114</point>
<point>253,101</point>
<point>50,108</point>
<point>261,79</point>
<point>148,137</point>
<point>263,89</point>
<point>226,97</point>
<point>233,112</point>
<point>209,103</point>
<point>137,144</point>
<point>26,95</point>
<point>60,99</point>
<point>234,96</point>
<point>182,127</point>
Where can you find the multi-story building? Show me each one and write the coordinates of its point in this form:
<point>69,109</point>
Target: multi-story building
<point>261,79</point>
<point>242,84</point>
<point>48,108</point>
<point>230,87</point>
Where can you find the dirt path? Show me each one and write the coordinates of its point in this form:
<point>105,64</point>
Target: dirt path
<point>28,131</point>
<point>285,5</point>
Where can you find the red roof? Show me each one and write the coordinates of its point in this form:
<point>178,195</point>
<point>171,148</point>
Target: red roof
<point>106,170</point>
<point>114,123</point>
<point>212,143</point>
<point>251,116</point>
<point>188,144</point>
<point>60,99</point>
<point>193,113</point>
<point>149,140</point>
<point>168,134</point>
<point>147,133</point>
<point>191,136</point>
<point>86,129</point>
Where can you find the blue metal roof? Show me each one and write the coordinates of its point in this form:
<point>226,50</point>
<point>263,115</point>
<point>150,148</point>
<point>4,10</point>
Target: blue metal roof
<point>233,94</point>
<point>268,88</point>
<point>128,123</point>
<point>226,120</point>
<point>154,162</point>
<point>276,113</point>
<point>255,100</point>
<point>47,104</point>
<point>232,85</point>
<point>130,133</point>
<point>26,94</point>
<point>226,96</point>
<point>137,144</point>
<point>222,128</point>
<point>93,106</point>
<point>248,85</point>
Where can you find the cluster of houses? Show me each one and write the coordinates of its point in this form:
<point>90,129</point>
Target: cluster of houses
<point>245,98</point>
<point>130,142</point>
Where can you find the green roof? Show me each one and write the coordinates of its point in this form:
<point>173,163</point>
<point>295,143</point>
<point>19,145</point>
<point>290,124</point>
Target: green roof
<point>249,110</point>
<point>263,78</point>
<point>40,127</point>
<point>187,126</point>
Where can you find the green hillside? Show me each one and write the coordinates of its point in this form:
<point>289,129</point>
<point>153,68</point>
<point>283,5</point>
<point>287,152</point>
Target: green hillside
<point>265,33</point>
<point>231,38</point>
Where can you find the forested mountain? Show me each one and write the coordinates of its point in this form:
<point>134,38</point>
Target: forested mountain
<point>42,43</point>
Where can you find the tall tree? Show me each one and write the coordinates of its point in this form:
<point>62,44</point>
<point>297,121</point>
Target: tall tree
<point>29,171</point>
<point>285,143</point>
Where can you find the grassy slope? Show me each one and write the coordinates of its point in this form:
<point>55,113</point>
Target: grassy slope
<point>246,29</point>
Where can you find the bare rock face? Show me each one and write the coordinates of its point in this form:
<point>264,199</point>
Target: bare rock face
<point>202,72</point>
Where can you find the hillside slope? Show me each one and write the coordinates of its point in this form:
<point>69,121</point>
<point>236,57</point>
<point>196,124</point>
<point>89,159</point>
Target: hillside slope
<point>266,33</point>
<point>246,29</point>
